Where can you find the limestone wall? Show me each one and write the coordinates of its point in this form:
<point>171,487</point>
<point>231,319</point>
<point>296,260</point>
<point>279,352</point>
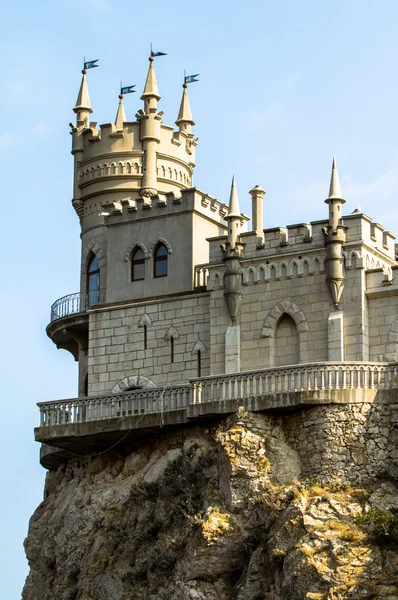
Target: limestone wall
<point>356,442</point>
<point>117,343</point>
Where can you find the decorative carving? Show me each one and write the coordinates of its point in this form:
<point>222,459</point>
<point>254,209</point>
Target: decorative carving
<point>131,248</point>
<point>273,316</point>
<point>171,333</point>
<point>148,192</point>
<point>133,381</point>
<point>145,320</point>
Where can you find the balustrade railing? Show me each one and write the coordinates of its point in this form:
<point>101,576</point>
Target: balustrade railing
<point>249,385</point>
<point>90,408</point>
<point>74,303</point>
<point>201,275</point>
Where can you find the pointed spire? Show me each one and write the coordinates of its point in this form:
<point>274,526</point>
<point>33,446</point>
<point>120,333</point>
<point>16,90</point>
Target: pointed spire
<point>185,115</point>
<point>83,99</point>
<point>335,190</point>
<point>120,115</point>
<point>233,210</point>
<point>151,85</point>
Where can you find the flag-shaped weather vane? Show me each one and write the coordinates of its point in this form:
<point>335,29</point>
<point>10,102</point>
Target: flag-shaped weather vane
<point>90,64</point>
<point>154,54</point>
<point>128,89</point>
<point>190,78</point>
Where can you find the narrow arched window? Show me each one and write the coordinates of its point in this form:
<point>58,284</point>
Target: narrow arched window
<point>172,349</point>
<point>137,265</point>
<point>199,363</point>
<point>93,281</point>
<point>160,261</point>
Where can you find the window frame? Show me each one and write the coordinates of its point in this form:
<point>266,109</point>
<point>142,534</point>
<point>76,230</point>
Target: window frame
<point>163,258</point>
<point>136,262</point>
<point>90,274</point>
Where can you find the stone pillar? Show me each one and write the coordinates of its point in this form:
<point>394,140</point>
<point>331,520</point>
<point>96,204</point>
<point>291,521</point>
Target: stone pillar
<point>336,336</point>
<point>257,194</point>
<point>232,349</point>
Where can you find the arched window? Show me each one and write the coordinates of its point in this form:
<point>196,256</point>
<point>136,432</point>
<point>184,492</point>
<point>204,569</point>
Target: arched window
<point>93,281</point>
<point>160,261</point>
<point>137,265</point>
<point>287,346</point>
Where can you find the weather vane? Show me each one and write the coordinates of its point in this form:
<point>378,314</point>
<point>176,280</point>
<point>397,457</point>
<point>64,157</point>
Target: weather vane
<point>90,64</point>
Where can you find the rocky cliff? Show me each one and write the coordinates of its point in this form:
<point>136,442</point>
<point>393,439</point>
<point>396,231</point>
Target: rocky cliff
<point>211,512</point>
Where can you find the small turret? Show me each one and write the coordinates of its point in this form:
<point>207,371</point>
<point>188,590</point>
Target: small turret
<point>120,115</point>
<point>334,200</point>
<point>334,239</point>
<point>83,106</point>
<point>151,91</point>
<point>233,217</point>
<point>150,133</point>
<point>184,120</point>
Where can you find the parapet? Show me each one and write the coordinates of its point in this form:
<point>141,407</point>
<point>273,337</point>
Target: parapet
<point>362,229</point>
<point>191,200</point>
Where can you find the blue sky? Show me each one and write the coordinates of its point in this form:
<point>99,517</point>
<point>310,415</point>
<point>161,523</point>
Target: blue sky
<point>283,87</point>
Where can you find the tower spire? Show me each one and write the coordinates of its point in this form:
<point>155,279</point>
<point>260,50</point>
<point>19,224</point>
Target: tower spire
<point>334,189</point>
<point>151,85</point>
<point>184,119</point>
<point>334,239</point>
<point>150,133</point>
<point>234,210</point>
<point>120,115</point>
<point>83,106</point>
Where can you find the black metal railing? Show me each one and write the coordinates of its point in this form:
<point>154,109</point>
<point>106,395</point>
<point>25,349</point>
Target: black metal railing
<point>73,304</point>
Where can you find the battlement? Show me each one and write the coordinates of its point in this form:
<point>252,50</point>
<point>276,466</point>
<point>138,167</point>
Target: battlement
<point>361,228</point>
<point>187,200</point>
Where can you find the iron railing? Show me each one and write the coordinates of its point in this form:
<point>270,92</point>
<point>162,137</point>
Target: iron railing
<point>250,385</point>
<point>72,304</point>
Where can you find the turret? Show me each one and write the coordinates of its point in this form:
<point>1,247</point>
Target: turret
<point>233,217</point>
<point>83,106</point>
<point>150,133</point>
<point>232,250</point>
<point>184,119</point>
<point>334,239</point>
<point>120,115</point>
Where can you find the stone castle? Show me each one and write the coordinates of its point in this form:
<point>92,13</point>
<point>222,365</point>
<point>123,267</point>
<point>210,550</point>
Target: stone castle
<point>186,313</point>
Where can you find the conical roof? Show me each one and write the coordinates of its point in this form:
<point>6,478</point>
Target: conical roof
<point>120,115</point>
<point>185,114</point>
<point>83,99</point>
<point>334,189</point>
<point>151,85</point>
<point>234,210</point>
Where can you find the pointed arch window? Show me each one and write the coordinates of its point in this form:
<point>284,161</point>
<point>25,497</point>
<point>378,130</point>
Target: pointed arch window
<point>93,281</point>
<point>160,259</point>
<point>137,264</point>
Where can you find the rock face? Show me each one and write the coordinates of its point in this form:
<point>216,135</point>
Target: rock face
<point>214,514</point>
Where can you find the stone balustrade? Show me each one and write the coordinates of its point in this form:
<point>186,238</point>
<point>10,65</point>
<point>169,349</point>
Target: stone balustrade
<point>201,275</point>
<point>250,385</point>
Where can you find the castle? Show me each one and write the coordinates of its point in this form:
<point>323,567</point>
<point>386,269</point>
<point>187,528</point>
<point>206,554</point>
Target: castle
<point>183,314</point>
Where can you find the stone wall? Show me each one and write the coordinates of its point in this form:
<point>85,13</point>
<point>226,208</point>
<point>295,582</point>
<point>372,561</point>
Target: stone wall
<point>117,342</point>
<point>356,442</point>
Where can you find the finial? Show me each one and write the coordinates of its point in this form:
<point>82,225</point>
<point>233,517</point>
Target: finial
<point>233,210</point>
<point>334,189</point>
<point>151,85</point>
<point>83,99</point>
<point>120,115</point>
<point>185,114</point>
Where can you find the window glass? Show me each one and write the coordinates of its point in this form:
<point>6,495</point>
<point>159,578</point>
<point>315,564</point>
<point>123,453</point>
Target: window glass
<point>93,282</point>
<point>137,265</point>
<point>160,261</point>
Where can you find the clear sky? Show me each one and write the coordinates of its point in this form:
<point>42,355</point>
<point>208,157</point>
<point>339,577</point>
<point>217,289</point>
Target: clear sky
<point>283,87</point>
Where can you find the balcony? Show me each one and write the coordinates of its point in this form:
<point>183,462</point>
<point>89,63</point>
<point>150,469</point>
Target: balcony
<point>68,326</point>
<point>92,423</point>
